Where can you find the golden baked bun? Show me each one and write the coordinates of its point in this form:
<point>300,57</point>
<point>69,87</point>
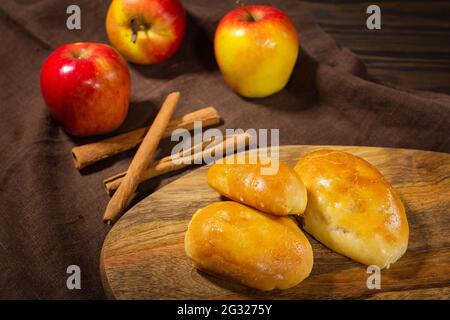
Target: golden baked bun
<point>281,193</point>
<point>256,249</point>
<point>352,209</point>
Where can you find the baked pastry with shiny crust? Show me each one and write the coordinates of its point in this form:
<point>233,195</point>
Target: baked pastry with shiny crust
<point>352,208</point>
<point>256,249</point>
<point>281,193</point>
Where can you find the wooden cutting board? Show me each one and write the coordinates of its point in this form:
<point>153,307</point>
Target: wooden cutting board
<point>143,254</point>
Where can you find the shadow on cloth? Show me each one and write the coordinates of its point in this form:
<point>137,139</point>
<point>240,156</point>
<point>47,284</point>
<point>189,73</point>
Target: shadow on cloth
<point>300,92</point>
<point>196,54</point>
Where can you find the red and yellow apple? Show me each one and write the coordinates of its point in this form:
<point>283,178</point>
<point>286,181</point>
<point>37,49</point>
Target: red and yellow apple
<point>146,31</point>
<point>256,48</point>
<point>86,87</point>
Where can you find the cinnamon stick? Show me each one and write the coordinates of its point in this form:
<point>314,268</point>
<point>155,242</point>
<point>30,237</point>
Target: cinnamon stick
<point>157,168</point>
<point>141,161</point>
<point>166,164</point>
<point>88,154</point>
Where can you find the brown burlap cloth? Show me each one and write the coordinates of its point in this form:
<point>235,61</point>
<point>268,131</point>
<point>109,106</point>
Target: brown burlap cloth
<point>51,214</point>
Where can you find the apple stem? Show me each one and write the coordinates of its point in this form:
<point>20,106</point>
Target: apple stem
<point>135,29</point>
<point>244,6</point>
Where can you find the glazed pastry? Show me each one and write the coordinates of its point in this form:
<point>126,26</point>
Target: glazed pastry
<point>352,209</point>
<point>252,248</point>
<point>280,193</point>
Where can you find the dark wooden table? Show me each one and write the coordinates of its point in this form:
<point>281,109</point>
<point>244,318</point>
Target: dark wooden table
<point>411,50</point>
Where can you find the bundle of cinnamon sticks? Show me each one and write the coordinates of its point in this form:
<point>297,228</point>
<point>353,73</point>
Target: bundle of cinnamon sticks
<point>123,185</point>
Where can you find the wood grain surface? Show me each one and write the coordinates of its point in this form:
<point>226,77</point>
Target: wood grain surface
<point>143,255</point>
<point>412,48</point>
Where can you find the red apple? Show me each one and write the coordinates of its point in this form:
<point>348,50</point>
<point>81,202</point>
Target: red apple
<point>256,49</point>
<point>146,31</point>
<point>86,87</point>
